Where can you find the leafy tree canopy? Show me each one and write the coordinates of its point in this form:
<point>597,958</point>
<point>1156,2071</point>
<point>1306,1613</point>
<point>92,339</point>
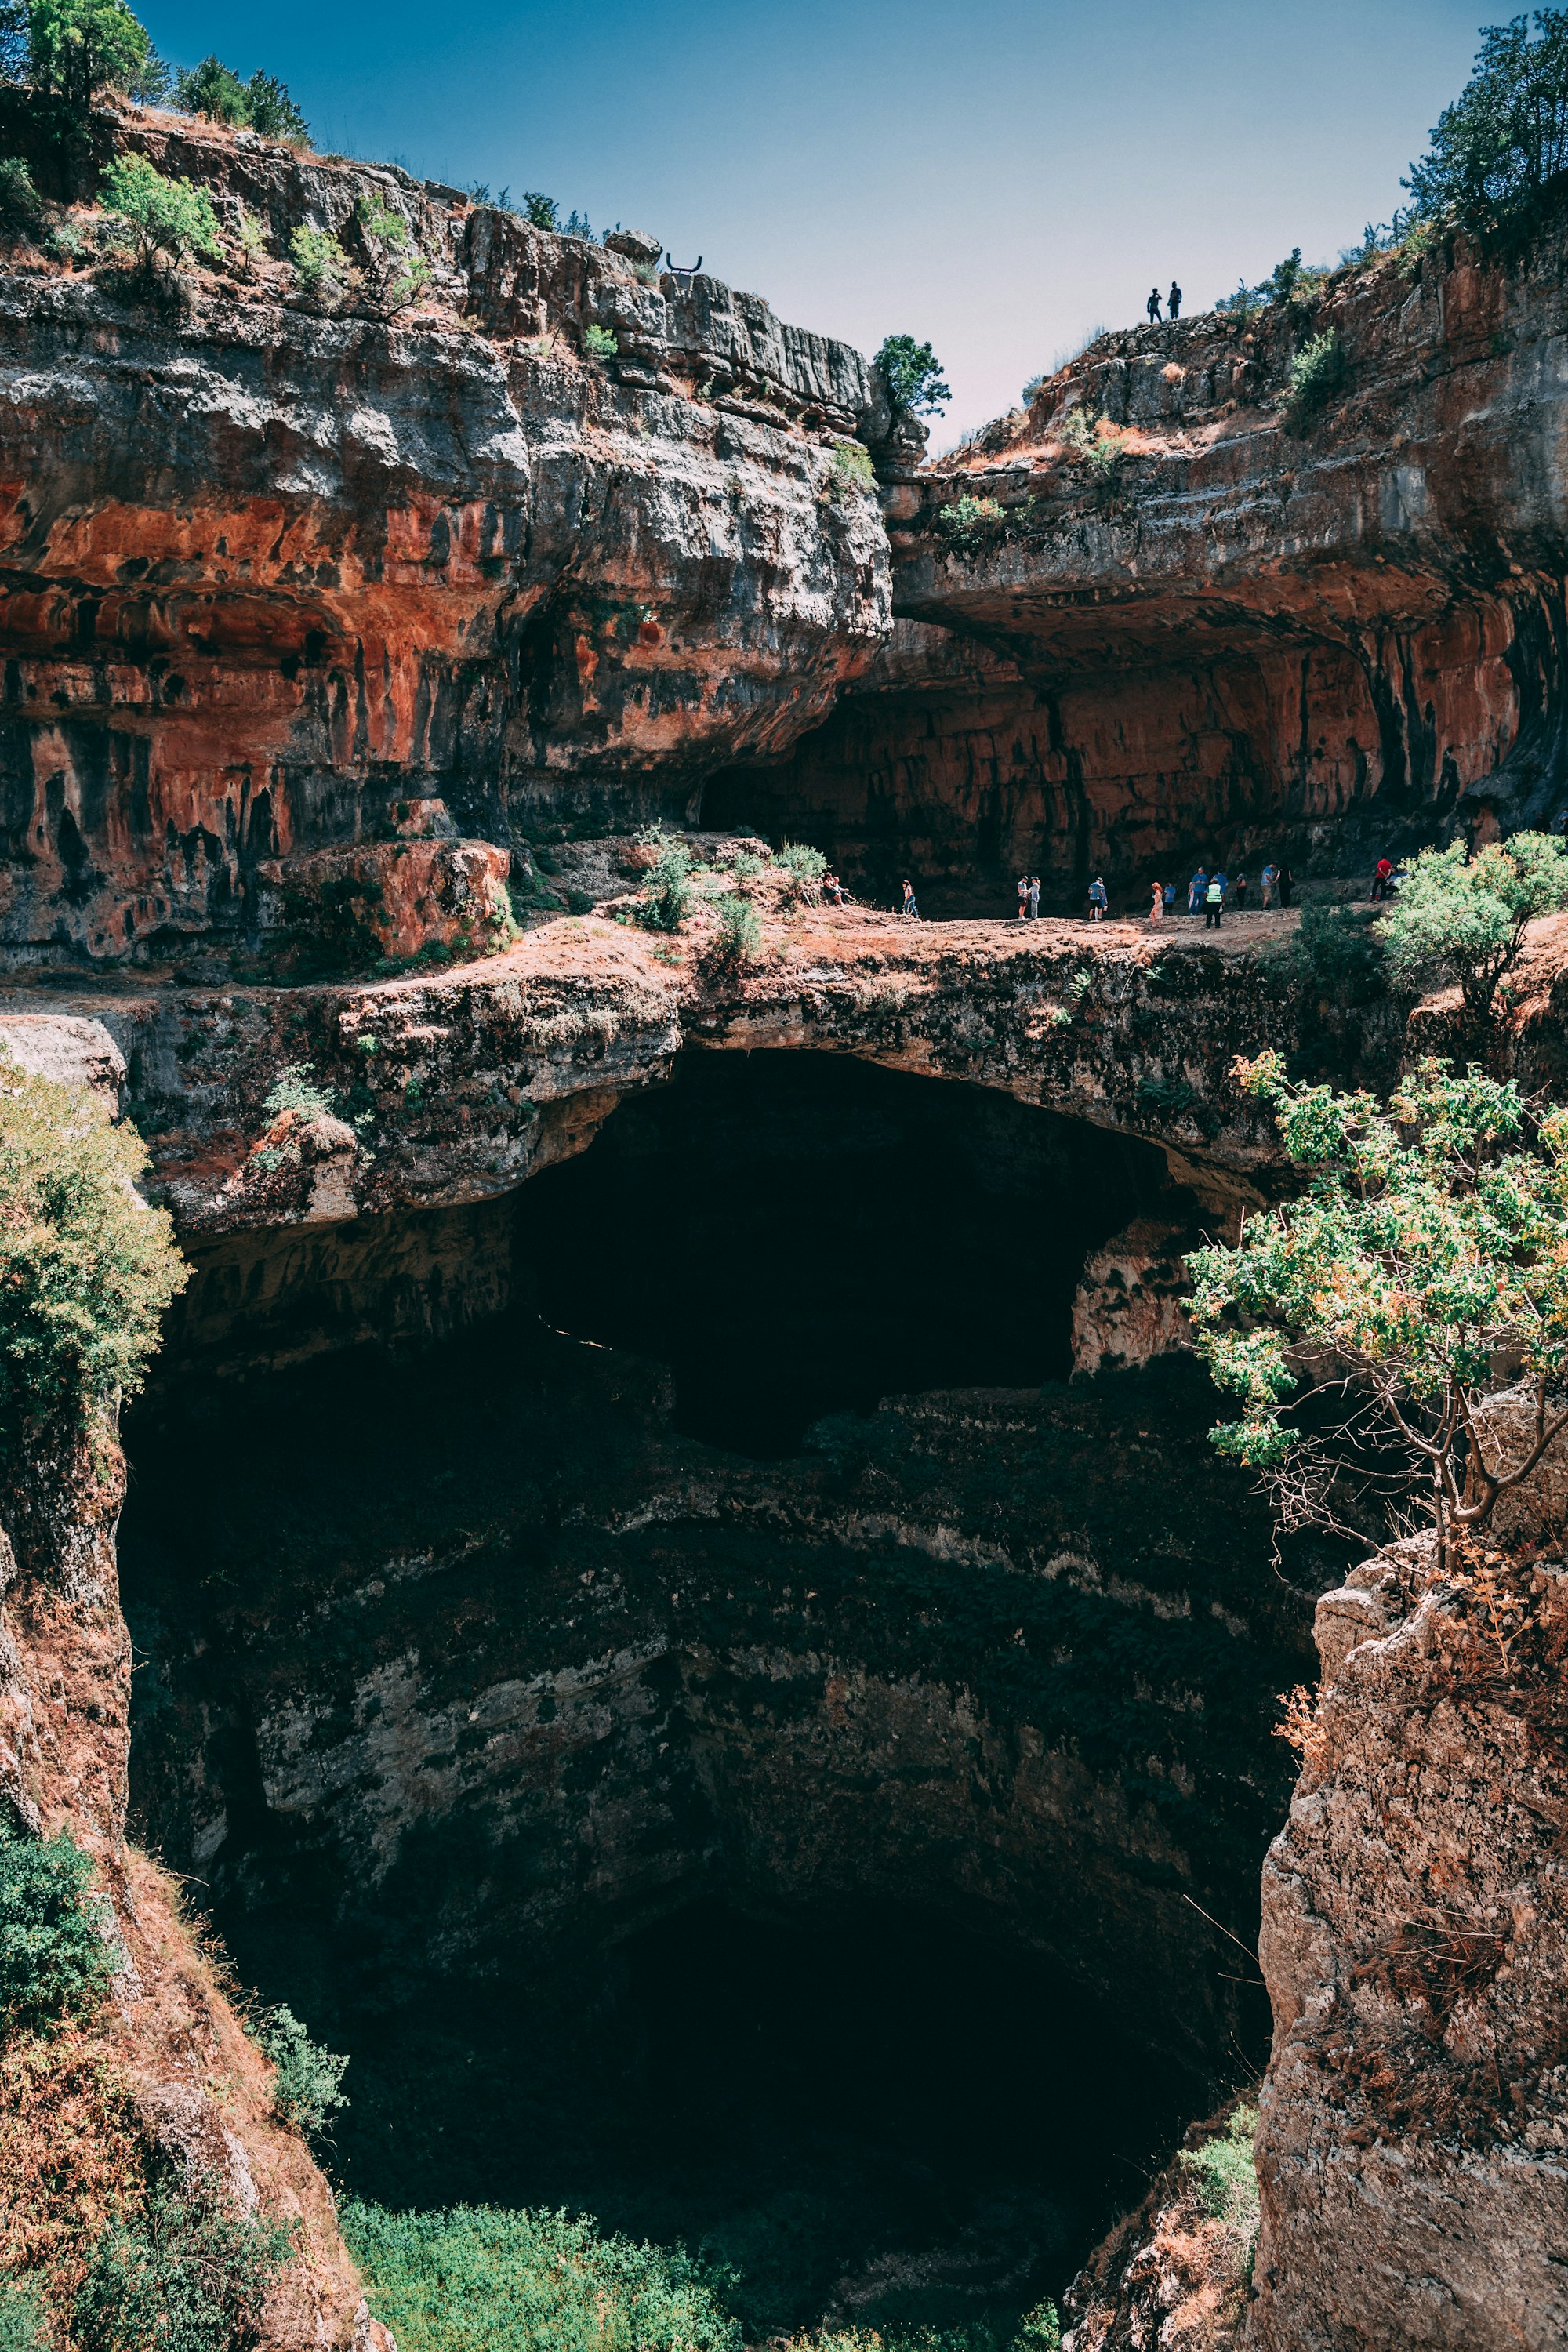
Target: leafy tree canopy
<point>1467,921</point>
<point>75,48</point>
<point>262,104</point>
<point>1504,141</point>
<point>1431,1236</point>
<point>914,376</point>
<point>160,214</point>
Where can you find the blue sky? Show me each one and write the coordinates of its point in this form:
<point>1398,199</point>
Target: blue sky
<point>998,178</point>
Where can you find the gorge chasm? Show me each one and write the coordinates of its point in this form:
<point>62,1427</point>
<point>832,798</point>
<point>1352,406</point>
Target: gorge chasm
<point>668,1592</point>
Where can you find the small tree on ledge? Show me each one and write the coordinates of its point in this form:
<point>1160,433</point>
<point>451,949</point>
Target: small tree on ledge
<point>1432,1240</point>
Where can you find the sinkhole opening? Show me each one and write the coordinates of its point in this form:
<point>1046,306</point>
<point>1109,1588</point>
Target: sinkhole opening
<point>797,1235</point>
<point>872,2118</point>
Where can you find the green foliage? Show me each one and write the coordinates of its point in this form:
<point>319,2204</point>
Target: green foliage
<point>306,2087</point>
<point>295,1088</point>
<point>1102,447</point>
<point>261,104</point>
<point>249,235</point>
<point>1224,2172</point>
<point>159,215</point>
<point>55,1960</point>
<point>599,343</point>
<point>1497,150</point>
<point>22,2325</point>
<point>738,939</point>
<point>20,210</point>
<point>852,468</point>
<point>666,894</point>
<point>539,210</point>
<point>914,376</point>
<point>186,2275</point>
<point>477,2279</point>
<point>1422,1247</point>
<point>321,265</point>
<point>75,48</point>
<point>1039,2330</point>
<point>1317,372</point>
<point>969,522</point>
<point>1336,953</point>
<point>1291,285</point>
<point>1467,921</point>
<point>398,270</point>
<point>808,866</point>
<point>86,1268</point>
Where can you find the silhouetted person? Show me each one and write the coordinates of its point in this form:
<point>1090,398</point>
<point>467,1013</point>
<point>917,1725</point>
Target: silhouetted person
<point>1153,306</point>
<point>1174,301</point>
<point>1287,883</point>
<point>1214,904</point>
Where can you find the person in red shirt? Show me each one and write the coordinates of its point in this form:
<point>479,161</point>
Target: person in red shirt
<point>1380,879</point>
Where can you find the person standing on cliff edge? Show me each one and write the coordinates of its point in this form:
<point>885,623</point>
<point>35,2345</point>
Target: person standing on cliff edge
<point>1174,301</point>
<point>1153,306</point>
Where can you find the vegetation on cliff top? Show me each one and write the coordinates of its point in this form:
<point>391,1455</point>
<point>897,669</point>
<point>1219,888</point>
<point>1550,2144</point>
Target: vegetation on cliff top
<point>86,1268</point>
<point>55,1957</point>
<point>1432,1239</point>
<point>1501,151</point>
<point>1465,919</point>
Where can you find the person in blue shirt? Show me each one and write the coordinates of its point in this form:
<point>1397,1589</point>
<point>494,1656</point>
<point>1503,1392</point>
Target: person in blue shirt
<point>1098,901</point>
<point>1195,888</point>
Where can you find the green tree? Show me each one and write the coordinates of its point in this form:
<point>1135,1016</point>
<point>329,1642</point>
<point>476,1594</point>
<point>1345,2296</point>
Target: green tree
<point>539,210</point>
<point>914,376</point>
<point>75,48</point>
<point>55,1960</point>
<point>271,112</point>
<point>160,214</point>
<point>1497,151</point>
<point>214,89</point>
<point>86,1268</point>
<point>1431,1236</point>
<point>1467,921</point>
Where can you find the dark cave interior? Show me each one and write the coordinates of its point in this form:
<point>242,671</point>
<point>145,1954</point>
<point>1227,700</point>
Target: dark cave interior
<point>904,2117</point>
<point>795,1234</point>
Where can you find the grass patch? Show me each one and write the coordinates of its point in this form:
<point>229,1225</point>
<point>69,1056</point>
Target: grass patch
<point>477,2279</point>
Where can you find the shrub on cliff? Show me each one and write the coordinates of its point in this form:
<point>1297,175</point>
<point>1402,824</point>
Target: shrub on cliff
<point>23,2327</point>
<point>1466,920</point>
<point>55,1960</point>
<point>666,899</point>
<point>913,374</point>
<point>477,2279</point>
<point>1224,2172</point>
<point>157,214</point>
<point>599,343</point>
<point>307,2084</point>
<point>322,269</point>
<point>188,2274</point>
<point>738,941</point>
<point>86,1268</point>
<point>1432,1239</point>
<point>1501,149</point>
<point>968,523</point>
<point>1317,372</point>
<point>20,210</point>
<point>398,270</point>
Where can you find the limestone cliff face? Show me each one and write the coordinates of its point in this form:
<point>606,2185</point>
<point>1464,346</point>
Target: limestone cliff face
<point>267,571</point>
<point>1255,635</point>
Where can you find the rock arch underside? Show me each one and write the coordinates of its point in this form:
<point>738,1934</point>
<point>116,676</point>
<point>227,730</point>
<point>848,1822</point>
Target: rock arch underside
<point>668,1589</point>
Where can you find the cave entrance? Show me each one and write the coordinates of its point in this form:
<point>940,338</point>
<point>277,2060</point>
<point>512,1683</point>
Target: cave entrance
<point>796,1234</point>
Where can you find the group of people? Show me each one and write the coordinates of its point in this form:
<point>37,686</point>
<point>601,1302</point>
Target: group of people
<point>1209,894</point>
<point>1172,301</point>
<point>1029,897</point>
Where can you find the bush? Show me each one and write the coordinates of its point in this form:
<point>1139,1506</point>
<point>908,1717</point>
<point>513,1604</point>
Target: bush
<point>398,270</point>
<point>321,265</point>
<point>273,112</point>
<point>912,374</point>
<point>804,865</point>
<point>1337,953</point>
<point>1102,447</point>
<point>599,343</point>
<point>1497,150</point>
<point>22,2325</point>
<point>539,210</point>
<point>970,522</point>
<point>86,1268</point>
<point>852,468</point>
<point>1039,2330</point>
<point>54,1958</point>
<point>1224,2172</point>
<point>1467,922</point>
<point>295,1088</point>
<point>20,210</point>
<point>738,939</point>
<point>1427,1244</point>
<point>666,894</point>
<point>479,2279</point>
<point>187,2274</point>
<point>75,48</point>
<point>1317,372</point>
<point>306,2086</point>
<point>160,214</point>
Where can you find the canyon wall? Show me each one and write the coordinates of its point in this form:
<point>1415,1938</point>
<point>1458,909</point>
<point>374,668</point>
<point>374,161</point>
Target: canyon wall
<point>1254,635</point>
